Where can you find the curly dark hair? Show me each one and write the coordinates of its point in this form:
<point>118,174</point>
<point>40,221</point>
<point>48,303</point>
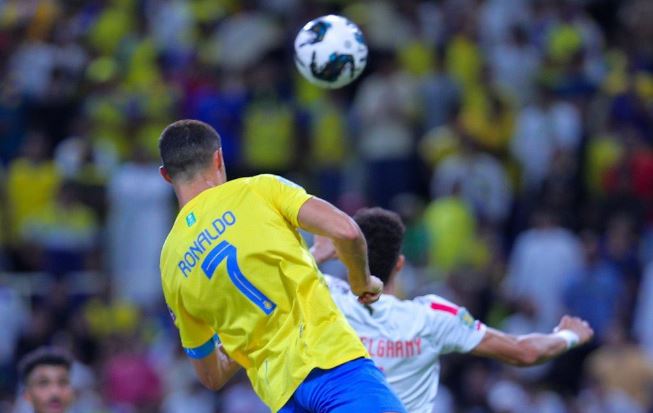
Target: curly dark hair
<point>384,233</point>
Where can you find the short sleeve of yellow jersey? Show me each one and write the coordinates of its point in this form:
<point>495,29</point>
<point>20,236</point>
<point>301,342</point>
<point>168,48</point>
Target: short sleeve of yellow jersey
<point>197,338</point>
<point>286,196</point>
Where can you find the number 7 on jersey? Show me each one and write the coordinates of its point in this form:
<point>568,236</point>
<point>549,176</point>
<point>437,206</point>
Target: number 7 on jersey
<point>226,251</point>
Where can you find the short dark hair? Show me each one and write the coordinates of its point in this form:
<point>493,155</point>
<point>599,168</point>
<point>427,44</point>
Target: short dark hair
<point>187,146</point>
<point>384,233</point>
<point>42,356</point>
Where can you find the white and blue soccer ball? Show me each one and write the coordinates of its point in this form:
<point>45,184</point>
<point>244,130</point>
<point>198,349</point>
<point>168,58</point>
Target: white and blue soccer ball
<point>330,51</point>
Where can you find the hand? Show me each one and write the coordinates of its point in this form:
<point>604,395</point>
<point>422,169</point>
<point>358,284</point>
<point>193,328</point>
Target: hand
<point>371,292</point>
<point>578,326</point>
<point>323,249</point>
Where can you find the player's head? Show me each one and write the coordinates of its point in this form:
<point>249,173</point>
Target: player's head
<point>384,233</point>
<point>45,375</point>
<point>189,148</point>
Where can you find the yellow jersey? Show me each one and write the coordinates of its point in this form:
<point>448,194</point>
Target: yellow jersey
<point>234,268</point>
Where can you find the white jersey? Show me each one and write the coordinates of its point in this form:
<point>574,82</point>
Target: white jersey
<point>406,337</point>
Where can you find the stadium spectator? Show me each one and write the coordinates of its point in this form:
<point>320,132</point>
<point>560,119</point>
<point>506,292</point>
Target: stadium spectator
<point>514,62</point>
<point>45,375</point>
<point>140,210</point>
<point>543,260</point>
<point>623,370</point>
<point>330,144</point>
<point>451,228</point>
<point>482,178</point>
<point>439,92</point>
<point>270,131</point>
<point>15,314</point>
<point>384,107</point>
<point>597,281</point>
<point>32,182</point>
<point>129,377</point>
<point>543,128</point>
<point>63,235</point>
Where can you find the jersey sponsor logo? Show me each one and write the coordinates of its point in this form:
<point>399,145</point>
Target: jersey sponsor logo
<point>205,239</point>
<point>383,348</point>
<point>190,219</point>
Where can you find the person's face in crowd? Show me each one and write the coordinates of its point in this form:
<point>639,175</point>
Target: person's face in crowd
<point>49,389</point>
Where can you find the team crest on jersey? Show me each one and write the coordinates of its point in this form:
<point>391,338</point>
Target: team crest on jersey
<point>466,318</point>
<point>190,219</point>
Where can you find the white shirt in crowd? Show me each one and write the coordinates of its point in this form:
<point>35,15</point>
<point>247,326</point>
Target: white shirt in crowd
<point>543,262</point>
<point>406,337</point>
<point>540,133</point>
<point>140,216</point>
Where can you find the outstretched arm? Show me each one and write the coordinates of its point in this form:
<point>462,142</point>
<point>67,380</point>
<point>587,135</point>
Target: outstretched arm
<point>531,349</point>
<point>322,218</point>
<point>215,370</point>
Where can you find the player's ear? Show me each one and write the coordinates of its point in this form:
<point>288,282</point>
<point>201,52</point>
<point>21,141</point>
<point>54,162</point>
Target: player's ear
<point>217,159</point>
<point>164,173</point>
<point>399,265</point>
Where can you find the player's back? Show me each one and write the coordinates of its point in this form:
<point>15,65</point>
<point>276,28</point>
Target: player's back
<point>234,264</point>
<point>406,337</point>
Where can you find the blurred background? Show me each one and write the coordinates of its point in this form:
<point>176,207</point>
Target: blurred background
<point>514,137</point>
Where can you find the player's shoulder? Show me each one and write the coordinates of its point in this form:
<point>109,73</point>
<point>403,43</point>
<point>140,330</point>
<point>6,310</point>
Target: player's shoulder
<point>235,185</point>
<point>271,179</point>
<point>437,303</point>
<point>238,182</point>
<point>445,311</point>
<point>261,178</point>
<point>435,306</point>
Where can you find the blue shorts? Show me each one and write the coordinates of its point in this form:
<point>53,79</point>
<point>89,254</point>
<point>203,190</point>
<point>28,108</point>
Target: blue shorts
<point>357,386</point>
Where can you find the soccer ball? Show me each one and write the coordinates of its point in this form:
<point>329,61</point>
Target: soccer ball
<point>330,51</point>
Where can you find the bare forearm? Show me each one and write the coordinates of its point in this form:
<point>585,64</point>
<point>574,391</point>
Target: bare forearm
<point>228,368</point>
<point>525,350</point>
<point>535,348</point>
<point>353,253</point>
<point>542,347</point>
<point>321,218</point>
<point>215,370</point>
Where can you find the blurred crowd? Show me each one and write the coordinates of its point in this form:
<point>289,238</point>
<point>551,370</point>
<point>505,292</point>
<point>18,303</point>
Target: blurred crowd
<point>514,137</point>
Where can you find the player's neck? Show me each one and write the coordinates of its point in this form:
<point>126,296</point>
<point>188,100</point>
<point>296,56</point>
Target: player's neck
<point>189,190</point>
<point>390,288</point>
